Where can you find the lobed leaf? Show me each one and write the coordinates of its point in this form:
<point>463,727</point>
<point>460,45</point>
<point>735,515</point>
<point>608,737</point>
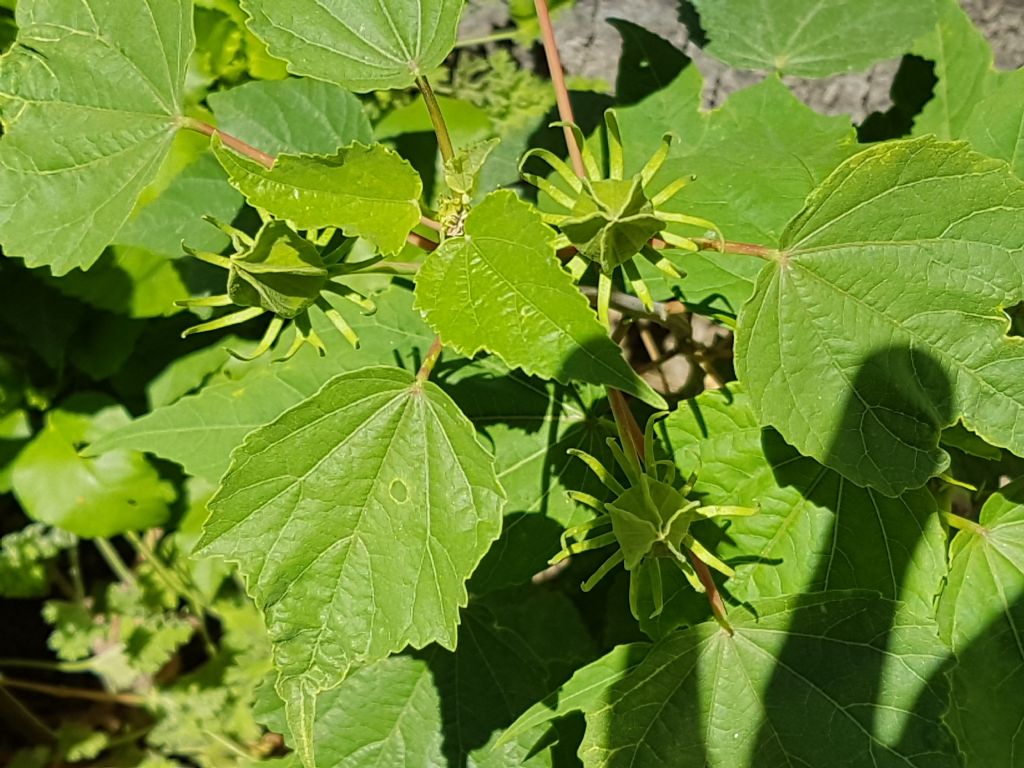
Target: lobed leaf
<point>812,38</point>
<point>880,322</point>
<point>356,518</point>
<point>981,615</point>
<point>358,45</point>
<point>111,74</point>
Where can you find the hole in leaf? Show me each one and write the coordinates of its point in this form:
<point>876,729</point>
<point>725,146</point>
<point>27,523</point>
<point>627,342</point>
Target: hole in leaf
<point>398,490</point>
<point>1016,315</point>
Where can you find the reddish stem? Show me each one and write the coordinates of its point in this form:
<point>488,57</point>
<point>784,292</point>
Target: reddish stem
<point>714,596</point>
<point>261,157</point>
<point>66,692</point>
<point>558,80</point>
<point>722,246</point>
<point>421,242</point>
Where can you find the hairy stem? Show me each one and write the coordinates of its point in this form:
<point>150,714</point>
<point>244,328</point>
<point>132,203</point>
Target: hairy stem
<point>433,355</point>
<point>547,32</point>
<point>444,139</point>
<point>247,150</point>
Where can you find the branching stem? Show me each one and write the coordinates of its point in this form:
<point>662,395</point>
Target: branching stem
<point>241,147</point>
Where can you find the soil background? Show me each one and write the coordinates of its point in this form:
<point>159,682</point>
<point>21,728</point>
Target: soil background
<point>590,47</point>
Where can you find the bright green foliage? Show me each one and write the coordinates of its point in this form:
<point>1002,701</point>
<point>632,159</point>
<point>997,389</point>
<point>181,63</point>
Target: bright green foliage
<point>310,511</point>
<point>963,66</point>
<point>292,116</point>
<point>499,288</point>
<point>200,431</point>
<point>361,46</point>
<point>367,192</point>
<point>996,125</point>
<point>814,530</point>
<point>113,492</point>
<point>64,195</point>
<point>828,691</point>
<point>812,38</point>
<point>752,174</point>
<point>879,322</point>
<point>980,615</point>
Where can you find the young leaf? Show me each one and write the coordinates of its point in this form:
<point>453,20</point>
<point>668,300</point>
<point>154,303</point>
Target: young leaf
<point>368,192</point>
<point>812,38</point>
<point>980,615</point>
<point>500,288</point>
<point>92,94</point>
<point>356,518</point>
<point>294,116</point>
<point>814,530</point>
<point>880,321</point>
<point>358,45</point>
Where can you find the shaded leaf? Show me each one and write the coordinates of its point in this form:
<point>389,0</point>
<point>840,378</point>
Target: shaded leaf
<point>981,615</point>
<point>65,194</point>
<point>887,299</point>
<point>500,288</point>
<point>814,530</point>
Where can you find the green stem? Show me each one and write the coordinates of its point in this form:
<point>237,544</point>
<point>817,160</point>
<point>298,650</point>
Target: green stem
<point>496,37</point>
<point>393,268</point>
<point>433,355</point>
<point>114,560</point>
<point>726,246</point>
<point>67,667</point>
<point>75,570</point>
<point>239,146</point>
<point>963,524</point>
<point>444,139</point>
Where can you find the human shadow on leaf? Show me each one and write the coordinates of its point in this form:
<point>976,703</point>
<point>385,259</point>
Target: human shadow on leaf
<point>891,546</point>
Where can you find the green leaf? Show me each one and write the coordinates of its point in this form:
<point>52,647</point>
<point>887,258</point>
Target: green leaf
<point>752,174</point>
<point>129,281</point>
<point>963,68</point>
<point>500,288</point>
<point>819,679</point>
<point>114,492</point>
<point>360,46</point>
<point>200,431</point>
<point>814,530</point>
<point>368,192</point>
<point>175,212</point>
<point>996,124</point>
<point>880,321</point>
<point>294,116</point>
<point>65,194</point>
<point>981,614</point>
<point>356,518</point>
<point>812,38</point>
